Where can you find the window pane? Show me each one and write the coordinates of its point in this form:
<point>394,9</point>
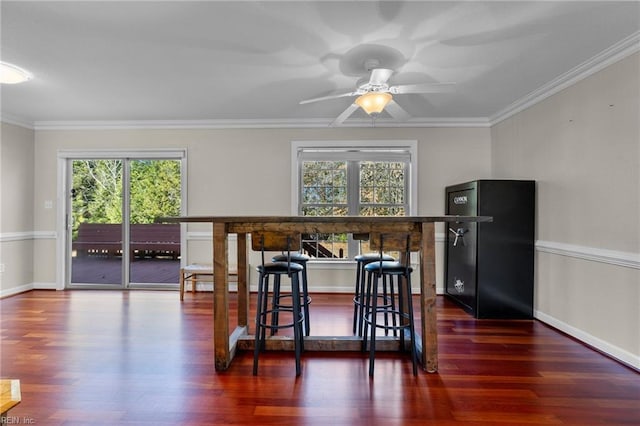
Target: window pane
<point>325,246</point>
<point>382,211</point>
<point>310,195</point>
<point>379,190</point>
<point>324,182</point>
<point>324,211</point>
<point>381,182</point>
<point>396,195</point>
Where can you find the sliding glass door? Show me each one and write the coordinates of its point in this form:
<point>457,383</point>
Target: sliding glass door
<point>154,191</point>
<point>96,222</point>
<point>114,242</point>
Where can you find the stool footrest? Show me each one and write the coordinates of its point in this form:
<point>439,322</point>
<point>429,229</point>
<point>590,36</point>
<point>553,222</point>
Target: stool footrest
<point>279,325</point>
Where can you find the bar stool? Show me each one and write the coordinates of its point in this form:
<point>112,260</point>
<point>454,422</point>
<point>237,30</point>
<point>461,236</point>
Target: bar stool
<point>361,261</point>
<point>402,311</point>
<point>277,241</point>
<point>300,259</point>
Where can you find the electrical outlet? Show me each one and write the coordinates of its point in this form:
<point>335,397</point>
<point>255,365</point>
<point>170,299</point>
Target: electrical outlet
<point>1,268</point>
<point>48,204</point>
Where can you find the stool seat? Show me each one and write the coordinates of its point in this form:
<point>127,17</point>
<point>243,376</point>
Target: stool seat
<point>372,257</point>
<point>387,267</point>
<point>279,268</point>
<point>295,257</point>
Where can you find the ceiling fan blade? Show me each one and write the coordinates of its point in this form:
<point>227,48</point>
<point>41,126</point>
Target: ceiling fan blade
<point>423,88</point>
<point>396,111</point>
<point>345,114</point>
<point>324,98</point>
<point>379,76</point>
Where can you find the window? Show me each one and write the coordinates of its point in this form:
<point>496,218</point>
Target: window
<point>365,179</point>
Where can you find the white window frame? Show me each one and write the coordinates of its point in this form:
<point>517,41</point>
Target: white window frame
<point>64,186</point>
<point>348,148</point>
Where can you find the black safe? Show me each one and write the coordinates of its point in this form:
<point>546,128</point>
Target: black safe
<point>489,266</point>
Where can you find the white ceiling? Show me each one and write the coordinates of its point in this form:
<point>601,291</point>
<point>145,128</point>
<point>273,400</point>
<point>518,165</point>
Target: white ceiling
<point>252,62</point>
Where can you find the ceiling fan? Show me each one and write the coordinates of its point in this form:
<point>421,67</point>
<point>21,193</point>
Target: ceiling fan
<point>375,94</point>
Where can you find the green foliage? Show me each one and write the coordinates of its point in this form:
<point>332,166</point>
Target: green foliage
<point>324,182</point>
<point>155,189</point>
<point>381,186</point>
<point>97,186</point>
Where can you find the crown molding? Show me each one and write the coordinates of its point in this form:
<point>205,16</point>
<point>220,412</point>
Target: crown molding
<point>421,122</point>
<point>253,124</point>
<point>16,121</point>
<point>609,56</point>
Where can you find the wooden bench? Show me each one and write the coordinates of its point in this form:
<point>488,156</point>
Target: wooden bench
<point>98,239</point>
<point>155,239</point>
<point>105,239</point>
<point>202,272</point>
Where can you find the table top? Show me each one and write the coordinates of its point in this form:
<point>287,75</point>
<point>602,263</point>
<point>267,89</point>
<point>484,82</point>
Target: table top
<point>9,394</point>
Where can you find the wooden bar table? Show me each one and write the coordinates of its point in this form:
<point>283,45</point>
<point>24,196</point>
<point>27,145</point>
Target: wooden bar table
<point>9,397</point>
<point>226,343</point>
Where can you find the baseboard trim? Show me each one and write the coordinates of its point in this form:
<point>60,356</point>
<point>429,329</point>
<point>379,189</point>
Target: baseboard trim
<point>15,290</point>
<point>621,355</point>
<point>45,286</point>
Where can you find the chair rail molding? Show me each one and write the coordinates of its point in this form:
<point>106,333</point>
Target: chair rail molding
<point>594,254</point>
<point>27,235</point>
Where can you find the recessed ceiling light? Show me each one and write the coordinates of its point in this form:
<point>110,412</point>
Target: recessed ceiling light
<point>11,74</point>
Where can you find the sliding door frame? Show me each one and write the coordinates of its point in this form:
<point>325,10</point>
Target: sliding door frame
<point>64,218</point>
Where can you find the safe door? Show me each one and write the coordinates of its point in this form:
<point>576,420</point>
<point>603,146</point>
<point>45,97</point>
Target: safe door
<point>461,248</point>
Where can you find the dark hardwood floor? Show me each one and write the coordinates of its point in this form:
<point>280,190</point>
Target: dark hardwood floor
<point>144,358</point>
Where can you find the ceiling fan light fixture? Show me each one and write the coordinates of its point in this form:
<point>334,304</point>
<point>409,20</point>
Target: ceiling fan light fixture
<point>12,74</point>
<point>373,102</point>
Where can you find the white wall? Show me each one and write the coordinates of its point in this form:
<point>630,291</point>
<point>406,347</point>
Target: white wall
<point>16,209</point>
<point>582,146</point>
<point>247,172</point>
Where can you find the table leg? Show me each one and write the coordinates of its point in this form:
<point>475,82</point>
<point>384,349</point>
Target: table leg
<point>243,282</point>
<point>221,297</point>
<point>428,298</point>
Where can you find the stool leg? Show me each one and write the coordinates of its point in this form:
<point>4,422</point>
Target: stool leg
<point>412,329</point>
<point>260,309</point>
<point>364,310</point>
<point>374,314</point>
<point>275,304</point>
<point>392,295</point>
<point>357,301</point>
<point>386,301</point>
<point>297,320</point>
<point>401,309</point>
<point>305,295</point>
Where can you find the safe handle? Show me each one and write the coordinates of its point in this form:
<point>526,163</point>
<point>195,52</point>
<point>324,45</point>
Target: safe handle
<point>459,234</point>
